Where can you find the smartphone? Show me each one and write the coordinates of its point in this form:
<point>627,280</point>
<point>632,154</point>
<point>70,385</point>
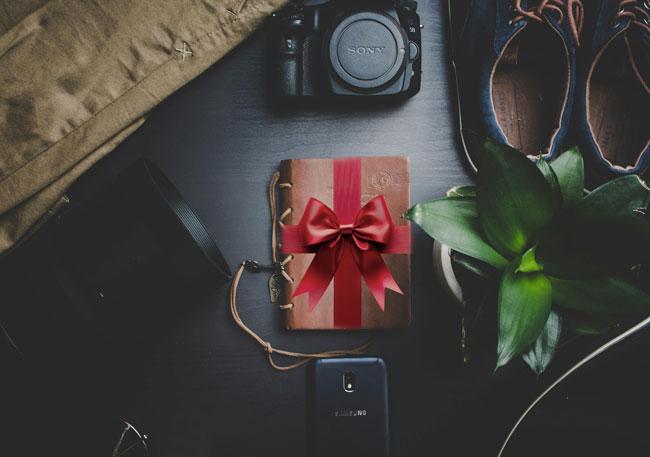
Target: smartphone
<point>347,408</point>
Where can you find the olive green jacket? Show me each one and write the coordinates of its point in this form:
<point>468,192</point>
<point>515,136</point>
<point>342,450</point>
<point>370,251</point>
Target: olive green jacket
<point>78,76</point>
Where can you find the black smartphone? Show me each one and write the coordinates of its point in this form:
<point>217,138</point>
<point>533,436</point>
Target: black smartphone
<point>347,407</point>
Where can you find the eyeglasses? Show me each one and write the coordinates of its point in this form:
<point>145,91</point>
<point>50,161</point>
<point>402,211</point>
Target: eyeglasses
<point>131,443</point>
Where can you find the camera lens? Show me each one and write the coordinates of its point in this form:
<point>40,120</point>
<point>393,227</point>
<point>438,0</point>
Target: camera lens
<point>349,381</point>
<point>368,50</point>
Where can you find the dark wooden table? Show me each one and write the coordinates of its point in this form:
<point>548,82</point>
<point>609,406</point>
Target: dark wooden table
<point>204,387</point>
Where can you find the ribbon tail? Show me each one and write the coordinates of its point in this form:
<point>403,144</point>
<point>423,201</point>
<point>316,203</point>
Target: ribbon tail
<point>376,273</point>
<point>318,276</point>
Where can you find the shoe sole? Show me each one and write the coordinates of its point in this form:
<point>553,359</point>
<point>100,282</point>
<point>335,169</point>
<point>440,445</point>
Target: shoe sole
<point>455,71</point>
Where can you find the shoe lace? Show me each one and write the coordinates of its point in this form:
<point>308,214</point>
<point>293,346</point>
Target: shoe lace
<point>639,13</point>
<point>637,10</point>
<point>574,13</point>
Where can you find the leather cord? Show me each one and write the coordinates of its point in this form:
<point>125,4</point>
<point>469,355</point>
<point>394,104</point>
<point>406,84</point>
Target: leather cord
<point>266,345</point>
<point>253,266</point>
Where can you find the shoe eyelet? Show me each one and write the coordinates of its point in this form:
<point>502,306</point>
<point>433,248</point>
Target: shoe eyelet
<point>513,23</point>
<point>615,23</point>
<point>646,21</point>
<point>646,5</point>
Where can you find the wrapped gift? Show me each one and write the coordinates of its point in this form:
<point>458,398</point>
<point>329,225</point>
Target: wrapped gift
<point>349,246</point>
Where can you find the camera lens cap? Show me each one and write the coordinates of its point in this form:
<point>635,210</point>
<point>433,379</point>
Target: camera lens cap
<point>368,49</point>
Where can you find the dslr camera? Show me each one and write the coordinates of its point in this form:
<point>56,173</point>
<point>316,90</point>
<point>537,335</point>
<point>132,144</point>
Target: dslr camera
<point>346,47</point>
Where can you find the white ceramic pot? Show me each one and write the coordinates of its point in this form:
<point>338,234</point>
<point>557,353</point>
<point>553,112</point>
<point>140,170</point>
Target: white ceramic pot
<point>443,267</point>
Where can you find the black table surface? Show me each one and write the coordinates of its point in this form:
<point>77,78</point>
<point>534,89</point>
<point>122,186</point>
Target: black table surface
<point>204,387</point>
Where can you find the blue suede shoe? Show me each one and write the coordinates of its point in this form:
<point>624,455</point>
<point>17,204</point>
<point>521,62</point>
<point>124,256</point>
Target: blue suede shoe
<point>613,89</point>
<point>515,71</point>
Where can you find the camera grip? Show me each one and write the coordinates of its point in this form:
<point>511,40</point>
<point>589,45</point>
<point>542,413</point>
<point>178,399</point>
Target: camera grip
<point>287,74</point>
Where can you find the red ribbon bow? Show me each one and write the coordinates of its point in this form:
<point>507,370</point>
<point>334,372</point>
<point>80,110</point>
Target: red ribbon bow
<point>320,229</point>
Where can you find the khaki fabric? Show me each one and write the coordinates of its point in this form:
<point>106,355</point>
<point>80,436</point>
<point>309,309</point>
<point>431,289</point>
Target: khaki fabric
<point>79,76</point>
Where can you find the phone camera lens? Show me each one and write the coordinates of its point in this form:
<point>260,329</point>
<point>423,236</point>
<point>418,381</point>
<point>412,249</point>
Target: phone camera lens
<point>349,381</point>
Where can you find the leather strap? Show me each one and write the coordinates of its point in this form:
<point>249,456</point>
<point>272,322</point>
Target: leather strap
<point>254,267</point>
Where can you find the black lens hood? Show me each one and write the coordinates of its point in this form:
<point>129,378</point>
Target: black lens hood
<point>136,249</point>
<point>173,222</point>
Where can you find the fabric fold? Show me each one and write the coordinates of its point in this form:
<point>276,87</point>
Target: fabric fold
<point>75,76</point>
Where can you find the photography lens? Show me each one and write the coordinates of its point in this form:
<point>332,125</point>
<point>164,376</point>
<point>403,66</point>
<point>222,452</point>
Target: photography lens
<point>349,381</point>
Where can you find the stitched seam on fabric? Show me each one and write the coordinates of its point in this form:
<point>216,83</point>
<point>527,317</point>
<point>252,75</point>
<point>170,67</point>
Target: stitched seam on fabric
<point>170,59</point>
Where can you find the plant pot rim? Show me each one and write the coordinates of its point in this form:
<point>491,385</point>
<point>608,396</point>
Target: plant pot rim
<point>444,271</point>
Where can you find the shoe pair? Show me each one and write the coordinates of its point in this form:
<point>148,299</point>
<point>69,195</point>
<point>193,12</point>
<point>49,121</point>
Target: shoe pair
<point>522,66</point>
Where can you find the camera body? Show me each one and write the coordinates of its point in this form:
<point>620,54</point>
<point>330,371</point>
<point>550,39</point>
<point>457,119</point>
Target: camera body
<point>346,47</point>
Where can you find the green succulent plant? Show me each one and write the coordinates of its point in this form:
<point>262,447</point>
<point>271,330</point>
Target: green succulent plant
<point>558,251</point>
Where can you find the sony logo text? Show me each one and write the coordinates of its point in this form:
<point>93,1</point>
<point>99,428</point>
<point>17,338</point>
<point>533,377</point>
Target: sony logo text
<point>366,49</point>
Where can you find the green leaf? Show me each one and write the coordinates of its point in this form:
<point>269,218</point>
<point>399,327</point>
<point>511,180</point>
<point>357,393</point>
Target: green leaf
<point>622,202</point>
<point>604,233</point>
<point>476,266</point>
<point>542,350</point>
<point>602,296</point>
<point>553,184</point>
<point>454,221</point>
<point>563,253</point>
<point>514,201</point>
<point>582,324</point>
<point>582,249</point>
<point>529,263</point>
<point>524,307</point>
<point>462,191</point>
<point>569,169</point>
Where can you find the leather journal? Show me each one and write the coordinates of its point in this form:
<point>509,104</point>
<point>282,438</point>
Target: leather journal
<point>348,246</point>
